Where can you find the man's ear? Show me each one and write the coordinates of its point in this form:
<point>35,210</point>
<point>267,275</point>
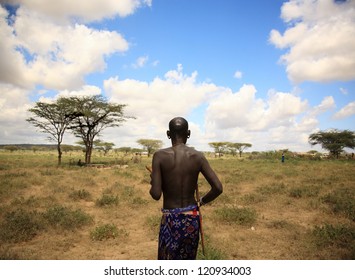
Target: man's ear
<point>188,133</point>
<point>168,134</point>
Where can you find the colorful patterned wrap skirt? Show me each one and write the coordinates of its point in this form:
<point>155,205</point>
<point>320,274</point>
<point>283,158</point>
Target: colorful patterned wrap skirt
<point>179,234</point>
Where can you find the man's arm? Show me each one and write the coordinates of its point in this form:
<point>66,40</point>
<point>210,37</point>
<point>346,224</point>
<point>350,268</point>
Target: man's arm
<point>156,182</point>
<point>212,179</point>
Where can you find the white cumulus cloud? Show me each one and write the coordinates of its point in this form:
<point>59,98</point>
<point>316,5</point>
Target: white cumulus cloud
<point>14,105</point>
<point>91,10</point>
<point>58,57</point>
<point>245,110</point>
<point>320,40</point>
<point>156,102</point>
<point>346,111</point>
<point>326,104</point>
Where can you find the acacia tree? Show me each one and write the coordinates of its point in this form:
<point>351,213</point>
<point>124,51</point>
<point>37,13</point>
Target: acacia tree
<point>103,146</point>
<point>240,147</point>
<point>94,114</point>
<point>150,144</point>
<point>53,119</point>
<point>219,147</point>
<point>124,150</point>
<point>333,140</point>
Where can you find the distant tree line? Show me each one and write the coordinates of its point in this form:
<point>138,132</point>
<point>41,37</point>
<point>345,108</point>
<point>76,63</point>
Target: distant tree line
<point>333,140</point>
<point>87,116</point>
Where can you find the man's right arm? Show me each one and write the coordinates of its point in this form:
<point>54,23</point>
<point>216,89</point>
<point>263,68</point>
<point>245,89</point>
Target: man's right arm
<point>212,179</point>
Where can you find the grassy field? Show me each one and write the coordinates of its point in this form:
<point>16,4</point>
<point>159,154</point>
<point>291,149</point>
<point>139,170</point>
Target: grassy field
<point>302,209</point>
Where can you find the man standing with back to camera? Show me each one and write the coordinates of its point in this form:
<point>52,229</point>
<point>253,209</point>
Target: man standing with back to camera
<point>175,172</point>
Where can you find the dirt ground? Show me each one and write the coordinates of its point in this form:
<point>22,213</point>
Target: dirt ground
<point>288,202</point>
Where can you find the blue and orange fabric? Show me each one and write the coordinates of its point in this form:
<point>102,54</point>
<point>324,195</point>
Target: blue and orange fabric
<point>179,234</point>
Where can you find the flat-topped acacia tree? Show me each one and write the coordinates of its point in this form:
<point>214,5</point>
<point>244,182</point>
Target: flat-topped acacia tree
<point>93,114</point>
<point>333,140</point>
<point>52,118</point>
<point>150,145</point>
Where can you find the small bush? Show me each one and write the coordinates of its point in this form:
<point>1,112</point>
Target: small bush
<point>339,235</point>
<point>211,252</point>
<point>80,195</point>
<point>64,218</point>
<point>128,192</point>
<point>106,231</point>
<point>20,225</point>
<point>153,223</point>
<point>139,201</point>
<point>308,191</point>
<point>107,200</point>
<point>23,203</point>
<point>342,201</point>
<point>240,216</point>
<point>272,190</point>
<point>254,198</point>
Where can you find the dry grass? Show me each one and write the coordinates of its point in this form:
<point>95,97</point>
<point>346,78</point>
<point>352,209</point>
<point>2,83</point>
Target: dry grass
<point>298,210</point>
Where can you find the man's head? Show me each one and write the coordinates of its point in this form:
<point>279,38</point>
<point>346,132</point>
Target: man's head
<point>178,128</point>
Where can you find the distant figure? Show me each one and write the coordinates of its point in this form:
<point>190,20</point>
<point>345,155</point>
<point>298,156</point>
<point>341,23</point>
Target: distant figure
<point>175,174</point>
<point>283,158</point>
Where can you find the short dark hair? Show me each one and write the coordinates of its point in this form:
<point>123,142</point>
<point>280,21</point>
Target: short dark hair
<point>179,126</point>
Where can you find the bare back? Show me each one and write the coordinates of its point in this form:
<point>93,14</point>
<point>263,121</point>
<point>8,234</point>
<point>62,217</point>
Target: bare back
<point>175,174</point>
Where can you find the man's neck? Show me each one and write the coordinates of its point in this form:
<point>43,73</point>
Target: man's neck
<point>177,144</point>
<point>178,141</point>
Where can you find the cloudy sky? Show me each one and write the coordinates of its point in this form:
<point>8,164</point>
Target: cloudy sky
<point>269,73</point>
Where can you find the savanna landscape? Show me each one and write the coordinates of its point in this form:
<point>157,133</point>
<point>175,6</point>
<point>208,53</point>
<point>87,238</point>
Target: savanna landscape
<point>301,209</point>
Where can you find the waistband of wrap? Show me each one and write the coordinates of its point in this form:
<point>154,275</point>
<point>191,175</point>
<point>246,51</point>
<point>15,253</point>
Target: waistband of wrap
<point>180,210</point>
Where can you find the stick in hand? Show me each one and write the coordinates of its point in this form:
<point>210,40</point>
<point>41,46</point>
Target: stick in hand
<point>200,217</point>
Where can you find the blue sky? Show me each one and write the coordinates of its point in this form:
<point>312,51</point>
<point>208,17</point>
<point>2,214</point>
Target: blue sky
<point>269,73</point>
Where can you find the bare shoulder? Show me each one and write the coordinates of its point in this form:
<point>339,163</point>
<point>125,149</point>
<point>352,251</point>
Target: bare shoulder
<point>195,153</point>
<point>162,153</point>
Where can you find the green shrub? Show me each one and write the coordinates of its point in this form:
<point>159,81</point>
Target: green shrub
<point>65,218</point>
<point>342,201</point>
<point>80,195</point>
<point>240,216</point>
<point>106,231</point>
<point>307,191</point>
<point>153,223</point>
<point>278,188</point>
<point>339,235</point>
<point>20,225</point>
<point>211,252</point>
<point>127,192</point>
<point>139,201</point>
<point>107,200</point>
<point>23,203</point>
